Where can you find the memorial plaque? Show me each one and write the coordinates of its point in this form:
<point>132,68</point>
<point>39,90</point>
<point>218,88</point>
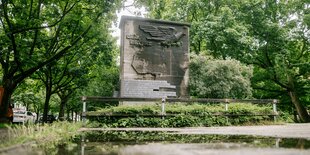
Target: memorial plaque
<point>154,58</point>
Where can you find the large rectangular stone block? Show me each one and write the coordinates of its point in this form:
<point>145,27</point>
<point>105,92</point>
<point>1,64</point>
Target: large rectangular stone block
<point>154,50</point>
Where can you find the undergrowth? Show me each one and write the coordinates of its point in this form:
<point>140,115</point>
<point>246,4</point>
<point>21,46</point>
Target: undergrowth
<point>41,135</point>
<point>182,115</point>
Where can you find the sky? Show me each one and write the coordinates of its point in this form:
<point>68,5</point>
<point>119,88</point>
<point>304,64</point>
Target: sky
<point>128,10</point>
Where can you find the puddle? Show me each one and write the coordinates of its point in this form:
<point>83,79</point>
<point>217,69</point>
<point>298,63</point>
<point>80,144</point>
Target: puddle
<point>158,143</point>
<point>168,143</point>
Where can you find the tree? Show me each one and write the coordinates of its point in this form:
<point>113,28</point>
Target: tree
<point>64,97</point>
<point>26,95</point>
<point>280,49</point>
<point>273,36</point>
<point>211,78</point>
<point>63,79</point>
<point>36,33</point>
<point>104,74</point>
<point>96,68</point>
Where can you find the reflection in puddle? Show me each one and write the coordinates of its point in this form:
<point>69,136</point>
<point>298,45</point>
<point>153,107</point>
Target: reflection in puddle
<point>158,143</point>
<point>155,143</point>
<point>202,149</point>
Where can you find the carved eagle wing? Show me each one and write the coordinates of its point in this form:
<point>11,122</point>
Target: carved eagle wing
<point>159,33</point>
<point>152,30</point>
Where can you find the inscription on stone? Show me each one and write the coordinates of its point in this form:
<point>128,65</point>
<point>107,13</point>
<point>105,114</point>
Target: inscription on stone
<point>154,50</point>
<point>148,89</point>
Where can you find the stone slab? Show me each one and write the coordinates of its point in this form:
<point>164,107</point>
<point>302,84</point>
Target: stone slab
<point>154,50</point>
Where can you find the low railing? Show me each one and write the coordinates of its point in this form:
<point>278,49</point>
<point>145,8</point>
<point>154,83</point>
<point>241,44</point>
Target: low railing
<point>163,101</point>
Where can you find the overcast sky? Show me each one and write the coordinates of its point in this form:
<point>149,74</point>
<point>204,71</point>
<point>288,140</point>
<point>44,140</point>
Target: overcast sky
<point>128,10</point>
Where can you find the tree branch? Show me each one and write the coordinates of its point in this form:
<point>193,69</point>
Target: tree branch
<point>63,73</point>
<point>303,49</point>
<point>36,33</point>
<point>47,26</point>
<point>261,63</point>
<point>275,80</point>
<point>64,84</point>
<point>2,56</point>
<point>30,10</point>
<point>54,40</point>
<point>267,56</point>
<point>57,56</point>
<point>269,90</point>
<point>13,41</point>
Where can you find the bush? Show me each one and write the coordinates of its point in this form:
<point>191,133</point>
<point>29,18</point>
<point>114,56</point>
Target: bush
<point>214,78</point>
<point>182,115</point>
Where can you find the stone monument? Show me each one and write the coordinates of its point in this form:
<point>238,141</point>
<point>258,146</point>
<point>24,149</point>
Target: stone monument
<point>154,58</point>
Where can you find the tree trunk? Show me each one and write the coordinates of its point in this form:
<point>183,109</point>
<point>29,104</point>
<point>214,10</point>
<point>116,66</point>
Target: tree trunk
<point>27,106</point>
<point>46,103</point>
<point>5,105</point>
<point>301,110</point>
<point>68,114</point>
<point>72,115</point>
<point>9,87</point>
<point>62,109</point>
<point>37,110</point>
<point>76,116</point>
<point>38,116</point>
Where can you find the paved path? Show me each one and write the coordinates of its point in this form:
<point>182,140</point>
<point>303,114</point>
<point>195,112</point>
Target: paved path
<point>281,131</point>
<point>207,149</point>
<point>3,133</point>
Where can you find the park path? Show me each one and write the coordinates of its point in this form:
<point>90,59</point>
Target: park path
<point>301,130</point>
<point>3,133</point>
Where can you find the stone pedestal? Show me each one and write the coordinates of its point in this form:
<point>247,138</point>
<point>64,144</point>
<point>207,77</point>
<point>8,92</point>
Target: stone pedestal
<point>154,58</point>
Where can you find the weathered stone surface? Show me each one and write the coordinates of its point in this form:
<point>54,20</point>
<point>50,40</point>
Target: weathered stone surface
<point>147,89</point>
<point>154,50</point>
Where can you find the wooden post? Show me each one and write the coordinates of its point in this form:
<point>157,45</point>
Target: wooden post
<point>226,104</point>
<point>83,145</point>
<point>274,107</point>
<point>163,101</point>
<point>226,109</point>
<point>84,110</point>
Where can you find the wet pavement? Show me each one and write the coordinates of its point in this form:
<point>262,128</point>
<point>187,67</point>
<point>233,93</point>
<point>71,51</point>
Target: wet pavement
<point>3,133</point>
<point>289,139</point>
<point>209,149</point>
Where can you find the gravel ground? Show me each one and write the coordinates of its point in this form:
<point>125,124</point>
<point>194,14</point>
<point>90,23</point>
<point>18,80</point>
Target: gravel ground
<point>301,130</point>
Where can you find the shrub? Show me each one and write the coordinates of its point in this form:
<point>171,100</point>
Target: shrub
<point>182,115</point>
<point>213,78</point>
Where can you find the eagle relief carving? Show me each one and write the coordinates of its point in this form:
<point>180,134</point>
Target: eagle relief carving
<point>156,50</point>
<point>167,36</point>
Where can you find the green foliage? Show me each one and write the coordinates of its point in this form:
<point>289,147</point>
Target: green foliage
<point>181,115</point>
<point>273,36</point>
<point>219,78</point>
<point>2,125</point>
<point>105,80</point>
<point>103,75</point>
<point>56,133</point>
<point>45,35</point>
<point>118,139</point>
<point>29,94</point>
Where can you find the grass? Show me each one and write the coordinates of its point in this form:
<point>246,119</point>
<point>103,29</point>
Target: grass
<point>2,125</point>
<point>58,132</point>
